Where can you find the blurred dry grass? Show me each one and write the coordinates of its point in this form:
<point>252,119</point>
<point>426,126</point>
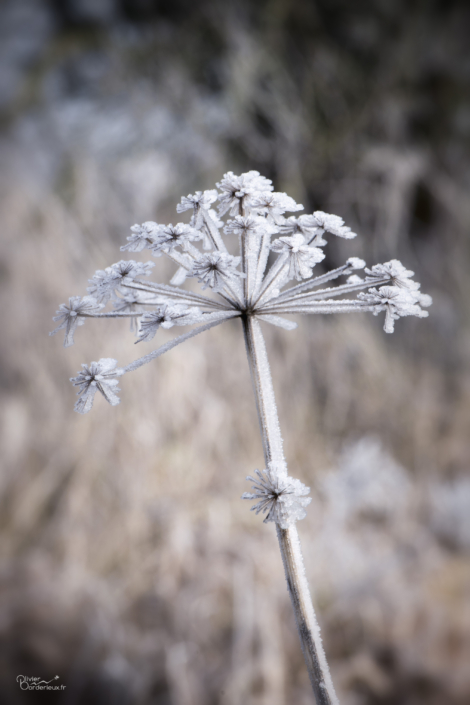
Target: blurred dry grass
<point>129,565</point>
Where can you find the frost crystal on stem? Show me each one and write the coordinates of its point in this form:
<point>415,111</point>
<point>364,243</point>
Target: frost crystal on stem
<point>241,284</point>
<point>282,497</point>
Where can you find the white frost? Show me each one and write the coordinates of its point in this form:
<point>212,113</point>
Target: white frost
<point>282,498</point>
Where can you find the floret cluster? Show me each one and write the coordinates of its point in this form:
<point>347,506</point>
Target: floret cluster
<point>240,284</point>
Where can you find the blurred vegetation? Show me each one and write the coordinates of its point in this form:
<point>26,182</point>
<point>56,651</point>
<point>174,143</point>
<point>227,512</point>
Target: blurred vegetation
<point>129,566</point>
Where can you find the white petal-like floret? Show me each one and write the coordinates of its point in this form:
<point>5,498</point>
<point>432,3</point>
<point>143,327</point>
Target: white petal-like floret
<point>246,224</point>
<point>395,302</point>
<point>73,315</point>
<point>235,188</point>
<point>282,498</point>
<point>97,376</point>
<point>142,237</point>
<point>167,316</point>
<point>274,204</point>
<point>306,225</point>
<point>200,199</point>
<point>168,237</point>
<point>214,268</point>
<point>198,202</point>
<point>395,271</point>
<point>356,263</point>
<point>301,257</point>
<point>104,284</point>
<point>333,224</point>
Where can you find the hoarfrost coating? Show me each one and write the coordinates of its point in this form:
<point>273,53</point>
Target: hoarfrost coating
<point>239,285</point>
<point>98,376</point>
<point>243,286</point>
<point>282,498</point>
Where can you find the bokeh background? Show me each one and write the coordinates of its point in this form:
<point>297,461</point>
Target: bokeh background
<point>129,566</point>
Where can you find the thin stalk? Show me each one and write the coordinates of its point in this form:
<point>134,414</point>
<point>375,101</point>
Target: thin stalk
<point>316,281</point>
<point>277,270</point>
<point>175,293</point>
<point>297,585</point>
<point>214,234</point>
<point>230,286</point>
<point>332,291</point>
<point>262,263</point>
<point>339,307</point>
<point>263,389</point>
<point>176,341</point>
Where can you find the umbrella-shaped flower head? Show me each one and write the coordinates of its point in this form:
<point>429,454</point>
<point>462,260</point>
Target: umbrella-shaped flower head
<point>238,284</point>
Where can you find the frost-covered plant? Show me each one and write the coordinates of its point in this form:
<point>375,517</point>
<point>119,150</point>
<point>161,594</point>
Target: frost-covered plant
<point>245,288</point>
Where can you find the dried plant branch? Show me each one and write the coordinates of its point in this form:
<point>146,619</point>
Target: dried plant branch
<point>289,543</point>
<point>257,214</point>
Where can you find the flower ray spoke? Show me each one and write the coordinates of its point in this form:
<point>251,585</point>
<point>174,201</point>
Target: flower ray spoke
<point>277,321</point>
<point>322,279</point>
<point>113,314</point>
<point>214,233</point>
<point>275,277</point>
<point>175,293</point>
<point>333,291</point>
<point>326,307</point>
<point>177,341</point>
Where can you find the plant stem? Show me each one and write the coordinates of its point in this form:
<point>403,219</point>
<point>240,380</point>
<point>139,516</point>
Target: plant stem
<point>297,585</point>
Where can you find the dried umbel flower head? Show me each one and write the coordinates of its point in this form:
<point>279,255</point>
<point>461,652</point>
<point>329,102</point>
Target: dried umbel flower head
<point>242,286</point>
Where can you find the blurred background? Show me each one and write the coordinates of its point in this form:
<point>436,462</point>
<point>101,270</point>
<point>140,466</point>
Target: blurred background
<point>129,566</point>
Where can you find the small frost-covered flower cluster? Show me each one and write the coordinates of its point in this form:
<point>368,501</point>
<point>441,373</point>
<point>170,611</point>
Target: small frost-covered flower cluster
<point>230,260</point>
<point>282,498</point>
